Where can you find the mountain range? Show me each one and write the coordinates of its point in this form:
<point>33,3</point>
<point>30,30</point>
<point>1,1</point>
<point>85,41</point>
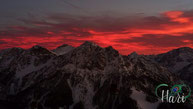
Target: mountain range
<point>90,77</point>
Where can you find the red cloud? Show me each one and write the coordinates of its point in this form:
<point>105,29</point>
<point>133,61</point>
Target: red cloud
<point>176,16</point>
<point>144,34</point>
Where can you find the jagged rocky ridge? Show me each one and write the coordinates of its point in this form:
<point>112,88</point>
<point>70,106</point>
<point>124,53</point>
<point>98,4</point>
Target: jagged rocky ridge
<point>178,61</point>
<point>86,77</point>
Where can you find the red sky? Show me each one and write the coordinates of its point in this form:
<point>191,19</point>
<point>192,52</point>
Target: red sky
<point>140,33</point>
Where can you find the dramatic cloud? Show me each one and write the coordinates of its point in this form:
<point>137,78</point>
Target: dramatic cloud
<point>143,34</point>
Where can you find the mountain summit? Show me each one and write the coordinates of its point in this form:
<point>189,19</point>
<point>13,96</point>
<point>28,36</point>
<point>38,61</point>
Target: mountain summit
<point>176,59</point>
<point>85,77</point>
<point>63,49</point>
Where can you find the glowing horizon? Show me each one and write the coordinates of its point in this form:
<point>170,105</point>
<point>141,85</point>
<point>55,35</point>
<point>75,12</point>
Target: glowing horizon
<point>145,33</point>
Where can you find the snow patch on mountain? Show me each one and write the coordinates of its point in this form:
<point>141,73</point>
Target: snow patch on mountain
<point>63,49</point>
<point>140,97</point>
<point>93,77</point>
<point>84,91</point>
<point>176,59</point>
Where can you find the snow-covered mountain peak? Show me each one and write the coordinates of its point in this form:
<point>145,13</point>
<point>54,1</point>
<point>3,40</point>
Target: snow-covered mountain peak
<point>63,49</point>
<point>87,48</point>
<point>176,59</point>
<point>87,77</point>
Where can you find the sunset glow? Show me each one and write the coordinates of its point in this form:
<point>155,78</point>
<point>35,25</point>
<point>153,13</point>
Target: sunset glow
<point>145,34</point>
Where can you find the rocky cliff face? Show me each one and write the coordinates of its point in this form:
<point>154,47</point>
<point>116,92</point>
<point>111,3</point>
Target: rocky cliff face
<point>86,77</point>
<point>178,61</point>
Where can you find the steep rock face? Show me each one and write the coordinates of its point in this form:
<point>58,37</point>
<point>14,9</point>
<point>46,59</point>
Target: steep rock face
<point>186,74</point>
<point>87,77</point>
<point>30,60</point>
<point>101,78</point>
<point>21,63</point>
<point>7,55</point>
<point>176,59</point>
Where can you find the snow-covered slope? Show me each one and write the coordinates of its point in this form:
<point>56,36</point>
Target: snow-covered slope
<point>17,63</point>
<point>86,77</point>
<point>7,55</point>
<point>176,59</point>
<point>63,49</point>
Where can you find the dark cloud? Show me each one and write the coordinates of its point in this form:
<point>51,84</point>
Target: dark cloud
<point>157,40</point>
<point>140,33</point>
<point>2,42</point>
<point>188,14</point>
